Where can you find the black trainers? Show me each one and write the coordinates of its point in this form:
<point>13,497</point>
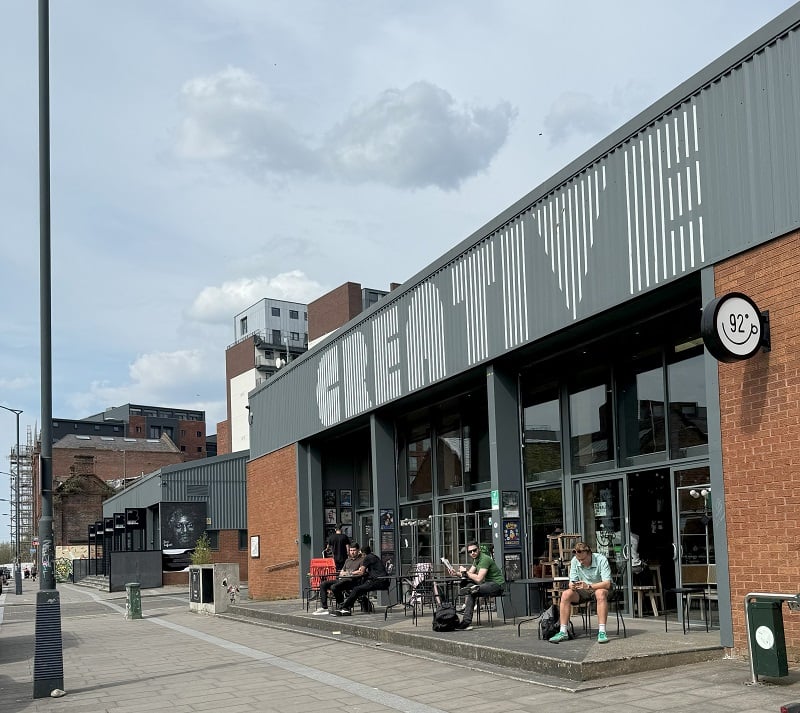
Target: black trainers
<point>463,626</point>
<point>343,612</point>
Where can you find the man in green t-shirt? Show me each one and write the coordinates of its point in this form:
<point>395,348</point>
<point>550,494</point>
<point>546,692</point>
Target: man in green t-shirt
<point>484,580</point>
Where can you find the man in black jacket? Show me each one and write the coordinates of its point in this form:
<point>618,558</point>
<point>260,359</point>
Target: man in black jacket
<point>339,542</point>
<point>374,578</point>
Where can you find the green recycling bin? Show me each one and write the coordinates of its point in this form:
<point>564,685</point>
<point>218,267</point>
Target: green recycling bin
<point>133,602</point>
<point>767,640</point>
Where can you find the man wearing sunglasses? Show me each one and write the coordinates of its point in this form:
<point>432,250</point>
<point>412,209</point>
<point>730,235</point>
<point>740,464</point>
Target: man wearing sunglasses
<point>484,579</point>
<point>589,578</point>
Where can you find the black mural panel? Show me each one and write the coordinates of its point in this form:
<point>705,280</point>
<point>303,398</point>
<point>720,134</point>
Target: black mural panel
<point>182,524</point>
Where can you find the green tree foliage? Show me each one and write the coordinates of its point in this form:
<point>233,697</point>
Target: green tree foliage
<point>202,551</point>
<point>6,552</point>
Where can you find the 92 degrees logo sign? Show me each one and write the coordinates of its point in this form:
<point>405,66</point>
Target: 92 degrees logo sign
<point>733,328</point>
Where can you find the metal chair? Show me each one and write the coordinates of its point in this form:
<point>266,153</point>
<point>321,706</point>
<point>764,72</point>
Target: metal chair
<point>616,598</point>
<point>489,605</point>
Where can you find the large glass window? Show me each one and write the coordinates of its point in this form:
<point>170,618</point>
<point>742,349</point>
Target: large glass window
<point>591,427</point>
<point>415,477</point>
<point>451,453</point>
<point>546,518</point>
<point>640,395</point>
<point>363,483</point>
<point>688,419</point>
<point>541,437</point>
<point>415,535</point>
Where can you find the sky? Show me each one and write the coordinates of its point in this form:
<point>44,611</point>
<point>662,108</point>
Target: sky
<point>206,154</point>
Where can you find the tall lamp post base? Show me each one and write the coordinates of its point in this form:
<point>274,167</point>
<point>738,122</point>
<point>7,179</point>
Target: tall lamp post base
<point>48,662</point>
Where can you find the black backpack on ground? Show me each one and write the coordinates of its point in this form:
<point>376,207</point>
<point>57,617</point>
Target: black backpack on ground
<point>549,624</point>
<point>445,618</point>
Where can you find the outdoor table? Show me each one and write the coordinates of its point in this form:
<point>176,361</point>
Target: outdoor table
<point>542,584</point>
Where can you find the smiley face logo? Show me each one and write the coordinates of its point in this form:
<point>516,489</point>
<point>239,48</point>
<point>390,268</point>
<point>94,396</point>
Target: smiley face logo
<point>738,325</point>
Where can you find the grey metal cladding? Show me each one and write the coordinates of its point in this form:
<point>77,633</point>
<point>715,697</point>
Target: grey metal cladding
<point>707,172</point>
<point>222,478</point>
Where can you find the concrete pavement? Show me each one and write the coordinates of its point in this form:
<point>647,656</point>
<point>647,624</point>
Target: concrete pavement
<point>178,661</point>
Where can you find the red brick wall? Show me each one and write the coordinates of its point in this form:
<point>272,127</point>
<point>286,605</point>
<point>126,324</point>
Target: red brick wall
<point>229,552</point>
<point>272,509</point>
<point>137,427</point>
<point>188,441</point>
<point>76,507</point>
<point>333,309</point>
<point>223,437</point>
<point>110,465</point>
<point>760,412</point>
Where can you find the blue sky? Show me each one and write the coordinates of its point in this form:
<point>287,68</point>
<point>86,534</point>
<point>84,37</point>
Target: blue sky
<point>208,153</point>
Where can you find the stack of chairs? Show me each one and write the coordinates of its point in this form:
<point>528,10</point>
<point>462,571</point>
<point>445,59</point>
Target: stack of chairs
<point>559,551</point>
<point>321,568</point>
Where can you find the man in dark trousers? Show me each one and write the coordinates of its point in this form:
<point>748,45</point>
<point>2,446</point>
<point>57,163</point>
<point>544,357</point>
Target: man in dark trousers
<point>374,578</point>
<point>339,544</point>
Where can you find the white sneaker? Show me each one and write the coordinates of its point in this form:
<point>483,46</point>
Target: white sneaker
<point>320,612</point>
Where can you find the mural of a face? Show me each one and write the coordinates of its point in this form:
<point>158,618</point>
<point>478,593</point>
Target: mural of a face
<point>182,530</point>
<point>182,524</point>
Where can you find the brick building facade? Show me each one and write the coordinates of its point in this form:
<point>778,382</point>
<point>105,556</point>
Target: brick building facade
<point>760,419</point>
<point>117,459</point>
<point>272,515</point>
<point>78,500</point>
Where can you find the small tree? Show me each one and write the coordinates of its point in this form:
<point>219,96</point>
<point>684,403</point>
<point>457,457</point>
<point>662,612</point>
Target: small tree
<point>202,550</point>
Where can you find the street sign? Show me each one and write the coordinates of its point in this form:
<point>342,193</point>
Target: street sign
<point>33,550</point>
<point>35,541</point>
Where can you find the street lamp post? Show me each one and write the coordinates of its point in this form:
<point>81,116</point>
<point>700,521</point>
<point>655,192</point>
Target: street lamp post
<point>17,564</point>
<point>48,662</point>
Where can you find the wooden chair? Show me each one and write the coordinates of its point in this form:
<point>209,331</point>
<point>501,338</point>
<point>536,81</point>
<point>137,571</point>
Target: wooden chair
<point>652,591</point>
<point>559,549</point>
<point>321,568</point>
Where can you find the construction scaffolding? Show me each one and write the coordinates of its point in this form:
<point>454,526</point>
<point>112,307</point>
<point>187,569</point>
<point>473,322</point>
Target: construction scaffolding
<point>22,508</point>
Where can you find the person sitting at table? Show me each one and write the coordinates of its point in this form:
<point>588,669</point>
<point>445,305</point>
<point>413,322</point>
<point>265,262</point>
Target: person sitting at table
<point>374,578</point>
<point>349,576</point>
<point>589,578</point>
<point>482,579</point>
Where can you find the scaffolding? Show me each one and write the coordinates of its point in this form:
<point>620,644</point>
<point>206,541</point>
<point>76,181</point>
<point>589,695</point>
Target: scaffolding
<point>22,508</point>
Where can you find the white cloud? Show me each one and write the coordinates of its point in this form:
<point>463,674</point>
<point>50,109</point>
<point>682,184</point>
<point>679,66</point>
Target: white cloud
<point>229,116</point>
<point>179,379</point>
<point>417,137</point>
<point>219,304</point>
<point>405,138</point>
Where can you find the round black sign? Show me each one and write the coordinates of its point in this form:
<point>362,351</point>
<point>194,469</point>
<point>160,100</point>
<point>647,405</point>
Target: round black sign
<point>731,327</point>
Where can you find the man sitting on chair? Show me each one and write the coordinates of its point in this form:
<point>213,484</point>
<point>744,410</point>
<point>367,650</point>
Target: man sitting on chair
<point>373,570</point>
<point>589,578</point>
<point>482,579</point>
<point>348,578</point>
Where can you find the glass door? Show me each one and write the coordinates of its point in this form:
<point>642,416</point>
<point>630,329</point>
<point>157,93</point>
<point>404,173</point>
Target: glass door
<point>603,513</point>
<point>650,534</point>
<point>695,532</point>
